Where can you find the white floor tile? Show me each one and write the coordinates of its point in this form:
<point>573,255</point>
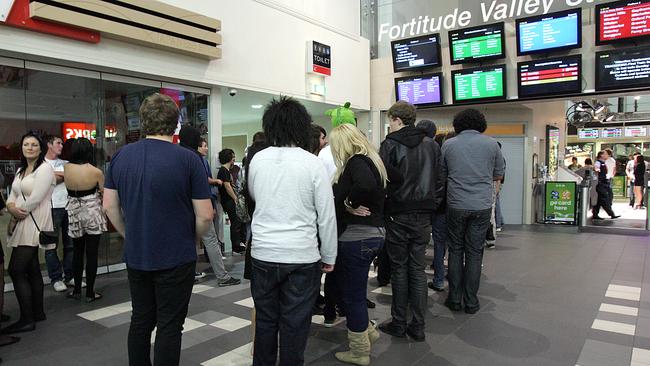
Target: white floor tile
<point>247,302</point>
<point>640,357</point>
<point>98,314</point>
<point>200,288</point>
<point>614,327</point>
<point>624,295</point>
<point>123,307</point>
<point>191,324</point>
<point>238,357</point>
<point>231,324</point>
<point>618,309</point>
<point>629,289</point>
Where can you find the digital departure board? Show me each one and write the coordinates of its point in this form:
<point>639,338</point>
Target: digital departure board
<point>549,32</point>
<point>636,131</point>
<point>556,76</point>
<point>423,90</point>
<point>479,84</point>
<point>588,133</point>
<point>622,69</point>
<point>416,53</point>
<point>622,20</point>
<point>612,132</point>
<point>485,42</point>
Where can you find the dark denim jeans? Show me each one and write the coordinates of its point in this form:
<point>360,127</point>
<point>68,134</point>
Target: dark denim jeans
<point>54,271</point>
<point>466,238</point>
<point>352,264</point>
<point>440,239</point>
<point>407,236</point>
<point>159,299</point>
<point>332,291</point>
<point>284,295</point>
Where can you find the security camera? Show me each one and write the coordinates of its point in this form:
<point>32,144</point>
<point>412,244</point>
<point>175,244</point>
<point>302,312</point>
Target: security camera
<point>232,92</point>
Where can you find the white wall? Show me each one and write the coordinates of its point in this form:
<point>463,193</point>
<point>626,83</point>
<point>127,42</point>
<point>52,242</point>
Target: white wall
<point>263,49</point>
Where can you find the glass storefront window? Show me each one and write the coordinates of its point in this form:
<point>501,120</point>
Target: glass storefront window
<point>75,103</point>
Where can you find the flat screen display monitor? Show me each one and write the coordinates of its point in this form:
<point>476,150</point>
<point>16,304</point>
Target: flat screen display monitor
<point>612,132</point>
<point>555,76</point>
<point>479,84</point>
<point>622,20</point>
<point>623,69</point>
<point>476,44</point>
<point>416,53</point>
<point>549,32</point>
<point>421,90</point>
<point>636,131</point>
<point>588,133</point>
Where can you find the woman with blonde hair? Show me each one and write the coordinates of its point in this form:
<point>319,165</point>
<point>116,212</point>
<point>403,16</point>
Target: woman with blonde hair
<point>359,193</point>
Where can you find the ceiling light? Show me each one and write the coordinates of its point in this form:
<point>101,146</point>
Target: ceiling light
<point>257,106</point>
<point>637,97</point>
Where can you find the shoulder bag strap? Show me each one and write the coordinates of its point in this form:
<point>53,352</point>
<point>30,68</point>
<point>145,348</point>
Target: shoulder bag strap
<point>30,214</point>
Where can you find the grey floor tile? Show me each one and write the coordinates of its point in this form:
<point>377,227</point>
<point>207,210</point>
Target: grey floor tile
<point>208,317</point>
<point>114,321</point>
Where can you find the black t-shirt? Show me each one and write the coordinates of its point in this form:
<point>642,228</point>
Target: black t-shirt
<point>225,176</point>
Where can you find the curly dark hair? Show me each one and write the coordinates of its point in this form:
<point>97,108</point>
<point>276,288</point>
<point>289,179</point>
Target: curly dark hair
<point>469,119</point>
<point>286,122</point>
<point>225,156</point>
<point>404,111</point>
<point>159,115</point>
<point>41,156</point>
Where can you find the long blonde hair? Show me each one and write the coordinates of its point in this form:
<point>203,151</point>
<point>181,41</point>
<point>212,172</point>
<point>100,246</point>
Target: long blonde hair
<point>347,141</point>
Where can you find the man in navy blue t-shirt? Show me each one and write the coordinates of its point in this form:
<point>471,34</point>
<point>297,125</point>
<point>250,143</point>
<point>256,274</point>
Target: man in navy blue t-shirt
<point>158,199</point>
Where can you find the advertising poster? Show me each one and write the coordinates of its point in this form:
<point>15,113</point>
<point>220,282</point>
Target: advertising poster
<point>560,204</point>
<point>618,186</point>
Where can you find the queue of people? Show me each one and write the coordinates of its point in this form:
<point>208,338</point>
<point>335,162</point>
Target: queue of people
<point>306,221</point>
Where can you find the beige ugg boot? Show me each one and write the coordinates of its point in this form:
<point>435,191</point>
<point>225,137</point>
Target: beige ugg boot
<point>373,334</point>
<point>359,353</point>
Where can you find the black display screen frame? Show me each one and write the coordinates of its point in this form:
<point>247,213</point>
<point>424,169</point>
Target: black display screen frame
<point>538,18</point>
<point>484,69</point>
<point>577,57</point>
<point>473,60</point>
<point>421,67</point>
<point>599,87</point>
<point>424,76</point>
<point>627,40</point>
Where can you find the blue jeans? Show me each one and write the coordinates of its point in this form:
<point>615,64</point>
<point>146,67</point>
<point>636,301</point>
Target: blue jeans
<point>284,295</point>
<point>466,238</point>
<point>353,263</point>
<point>60,221</point>
<point>497,209</point>
<point>440,240</point>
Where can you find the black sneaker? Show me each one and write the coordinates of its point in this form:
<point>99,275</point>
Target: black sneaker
<point>229,282</point>
<point>616,216</point>
<point>453,306</point>
<point>489,245</point>
<point>469,310</point>
<point>392,329</point>
<point>417,336</point>
<point>435,288</point>
<point>329,322</point>
<point>370,304</point>
<point>199,275</point>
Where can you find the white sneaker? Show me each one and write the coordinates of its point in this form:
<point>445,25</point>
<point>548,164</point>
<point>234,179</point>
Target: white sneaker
<point>59,286</point>
<point>71,283</point>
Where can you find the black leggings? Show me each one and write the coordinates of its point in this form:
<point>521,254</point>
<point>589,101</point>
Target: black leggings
<point>25,273</point>
<point>89,244</point>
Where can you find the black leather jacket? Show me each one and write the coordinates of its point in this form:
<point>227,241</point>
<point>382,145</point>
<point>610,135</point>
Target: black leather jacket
<point>417,157</point>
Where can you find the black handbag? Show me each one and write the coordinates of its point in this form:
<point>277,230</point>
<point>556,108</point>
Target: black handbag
<point>44,237</point>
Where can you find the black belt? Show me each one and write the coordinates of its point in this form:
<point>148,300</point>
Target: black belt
<point>78,194</point>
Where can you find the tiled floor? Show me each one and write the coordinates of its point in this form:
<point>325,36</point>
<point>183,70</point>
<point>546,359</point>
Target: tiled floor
<point>549,296</point>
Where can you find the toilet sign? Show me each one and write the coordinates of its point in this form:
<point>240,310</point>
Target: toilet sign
<point>5,8</point>
<point>319,58</point>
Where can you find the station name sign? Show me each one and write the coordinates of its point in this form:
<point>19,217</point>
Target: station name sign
<point>492,11</point>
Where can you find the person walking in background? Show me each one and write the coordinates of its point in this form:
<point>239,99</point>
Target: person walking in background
<point>294,206</point>
<point>85,184</point>
<point>491,237</point>
<point>59,273</point>
<point>359,194</point>
<point>30,205</point>
<point>408,209</point>
<point>145,182</point>
<point>639,180</point>
<point>629,173</point>
<point>587,172</point>
<point>574,164</point>
<point>611,173</point>
<point>603,187</point>
<point>229,199</point>
<point>471,162</point>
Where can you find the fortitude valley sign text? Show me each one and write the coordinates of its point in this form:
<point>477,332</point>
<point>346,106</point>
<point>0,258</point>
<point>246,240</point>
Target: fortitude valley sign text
<point>494,11</point>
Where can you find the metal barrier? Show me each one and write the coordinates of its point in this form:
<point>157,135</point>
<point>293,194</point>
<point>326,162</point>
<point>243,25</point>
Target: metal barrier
<point>584,203</point>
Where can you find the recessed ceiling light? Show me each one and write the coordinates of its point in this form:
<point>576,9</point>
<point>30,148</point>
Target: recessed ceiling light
<point>637,97</point>
<point>257,106</point>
